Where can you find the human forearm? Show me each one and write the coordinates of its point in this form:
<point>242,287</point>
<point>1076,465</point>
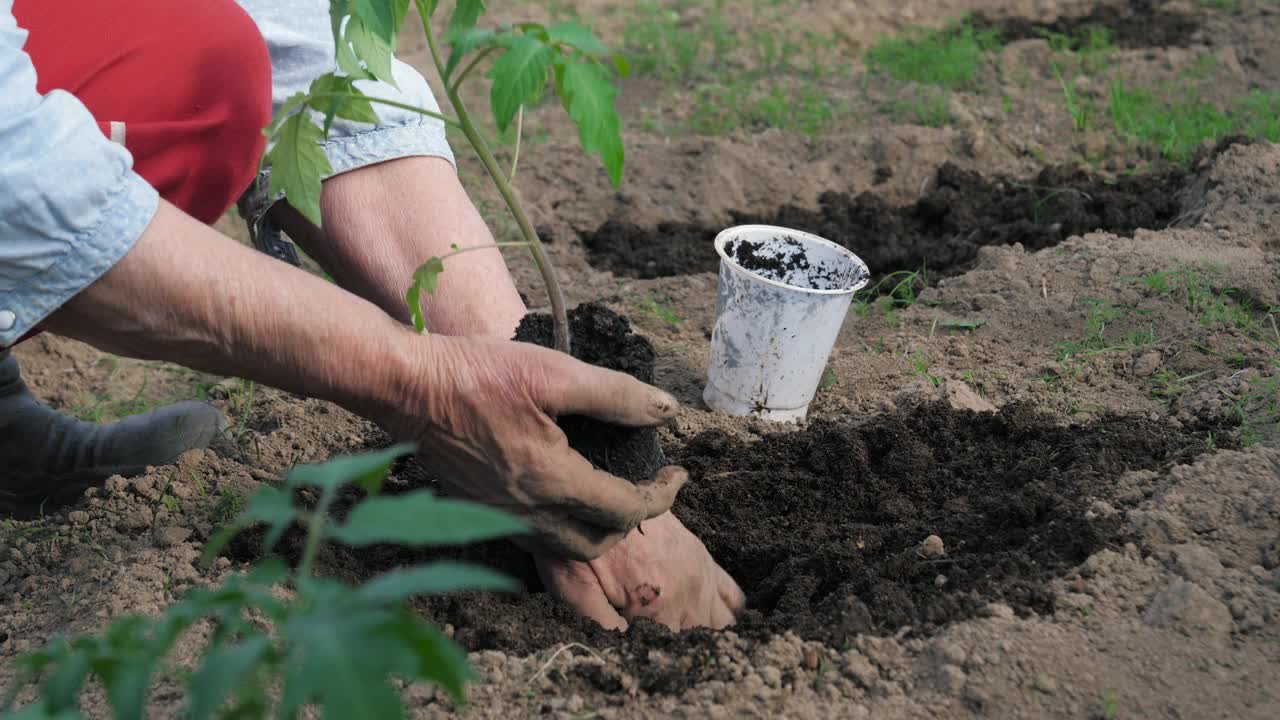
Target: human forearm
<point>385,220</point>
<point>186,294</point>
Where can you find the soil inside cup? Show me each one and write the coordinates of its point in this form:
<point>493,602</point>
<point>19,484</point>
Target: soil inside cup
<point>787,260</point>
<point>604,338</point>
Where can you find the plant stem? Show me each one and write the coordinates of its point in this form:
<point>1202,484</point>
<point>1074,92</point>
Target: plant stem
<point>457,80</point>
<point>380,101</point>
<point>515,156</point>
<point>471,248</point>
<point>315,532</point>
<point>559,314</point>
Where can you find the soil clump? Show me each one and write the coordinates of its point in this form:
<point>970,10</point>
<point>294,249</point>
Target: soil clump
<point>939,234</point>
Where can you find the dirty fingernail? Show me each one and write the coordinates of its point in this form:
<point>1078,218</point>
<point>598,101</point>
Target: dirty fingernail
<point>664,405</point>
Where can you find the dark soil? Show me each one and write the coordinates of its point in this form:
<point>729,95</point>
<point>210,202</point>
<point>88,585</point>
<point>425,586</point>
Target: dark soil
<point>823,529</point>
<point>601,337</point>
<point>1135,24</point>
<point>939,234</point>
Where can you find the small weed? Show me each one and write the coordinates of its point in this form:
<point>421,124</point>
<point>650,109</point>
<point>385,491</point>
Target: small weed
<point>1077,107</point>
<point>920,367</point>
<point>948,58</point>
<point>828,380</point>
<point>241,398</point>
<point>1228,6</point>
<point>1176,129</point>
<point>229,505</point>
<point>661,308</point>
<point>1110,705</point>
<point>925,106</point>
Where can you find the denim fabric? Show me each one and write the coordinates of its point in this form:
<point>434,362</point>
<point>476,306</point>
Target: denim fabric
<point>71,205</point>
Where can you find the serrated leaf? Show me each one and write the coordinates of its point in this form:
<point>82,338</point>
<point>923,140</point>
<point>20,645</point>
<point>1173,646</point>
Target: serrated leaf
<point>371,49</point>
<point>519,77</point>
<point>367,469</point>
<point>355,106</point>
<point>462,43</point>
<point>297,165</point>
<point>221,672</point>
<point>465,15</point>
<point>588,96</point>
<point>419,518</point>
<point>378,17</point>
<point>434,579</point>
<point>576,35</point>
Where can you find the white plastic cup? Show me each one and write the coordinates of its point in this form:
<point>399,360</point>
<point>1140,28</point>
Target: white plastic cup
<point>782,299</point>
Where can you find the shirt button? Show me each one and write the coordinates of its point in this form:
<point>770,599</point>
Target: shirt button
<point>7,320</point>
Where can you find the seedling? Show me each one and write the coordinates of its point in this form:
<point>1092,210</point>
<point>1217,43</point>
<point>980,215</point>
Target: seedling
<point>527,58</point>
<point>1078,109</point>
<point>328,645</point>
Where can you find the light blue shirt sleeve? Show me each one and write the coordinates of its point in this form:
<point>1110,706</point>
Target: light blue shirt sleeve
<point>300,41</point>
<point>70,204</point>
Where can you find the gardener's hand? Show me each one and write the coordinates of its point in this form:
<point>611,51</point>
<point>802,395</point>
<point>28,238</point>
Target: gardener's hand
<point>664,573</point>
<point>484,415</point>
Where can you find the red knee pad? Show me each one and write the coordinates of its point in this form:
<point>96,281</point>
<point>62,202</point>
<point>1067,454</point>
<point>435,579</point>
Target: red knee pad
<point>185,85</point>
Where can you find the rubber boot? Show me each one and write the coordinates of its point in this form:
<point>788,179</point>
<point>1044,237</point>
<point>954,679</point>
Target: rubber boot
<point>47,459</point>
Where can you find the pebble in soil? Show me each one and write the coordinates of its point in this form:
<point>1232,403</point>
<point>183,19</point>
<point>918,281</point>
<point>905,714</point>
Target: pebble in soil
<point>843,529</point>
<point>940,233</point>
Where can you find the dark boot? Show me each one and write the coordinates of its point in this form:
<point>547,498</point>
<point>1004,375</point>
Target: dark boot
<point>47,459</point>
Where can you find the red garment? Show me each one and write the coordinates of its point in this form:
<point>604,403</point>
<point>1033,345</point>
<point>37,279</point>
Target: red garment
<point>190,80</point>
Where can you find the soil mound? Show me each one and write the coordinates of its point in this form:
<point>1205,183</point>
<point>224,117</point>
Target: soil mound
<point>1136,24</point>
<point>939,234</point>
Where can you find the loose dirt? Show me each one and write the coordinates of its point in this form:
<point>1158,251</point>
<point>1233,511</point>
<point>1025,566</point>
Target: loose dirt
<point>1136,24</point>
<point>1055,410</point>
<point>939,234</point>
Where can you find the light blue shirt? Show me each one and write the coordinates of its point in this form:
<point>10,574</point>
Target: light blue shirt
<point>71,205</point>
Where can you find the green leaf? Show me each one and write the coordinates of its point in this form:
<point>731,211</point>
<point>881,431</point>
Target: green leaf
<point>465,15</point>
<point>298,163</point>
<point>367,469</point>
<point>355,106</point>
<point>576,35</point>
<point>426,8</point>
<point>588,96</point>
<point>40,711</point>
<point>462,43</point>
<point>426,277</point>
<point>62,689</point>
<point>439,659</point>
<point>420,518</point>
<point>368,47</point>
<point>434,579</point>
<point>272,506</point>
<point>340,659</point>
<point>379,18</point>
<point>221,672</point>
<point>962,324</point>
<point>620,62</point>
<point>519,77</point>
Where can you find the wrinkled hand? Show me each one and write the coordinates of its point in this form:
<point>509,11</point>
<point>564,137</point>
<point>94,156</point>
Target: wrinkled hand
<point>484,420</point>
<point>664,573</point>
